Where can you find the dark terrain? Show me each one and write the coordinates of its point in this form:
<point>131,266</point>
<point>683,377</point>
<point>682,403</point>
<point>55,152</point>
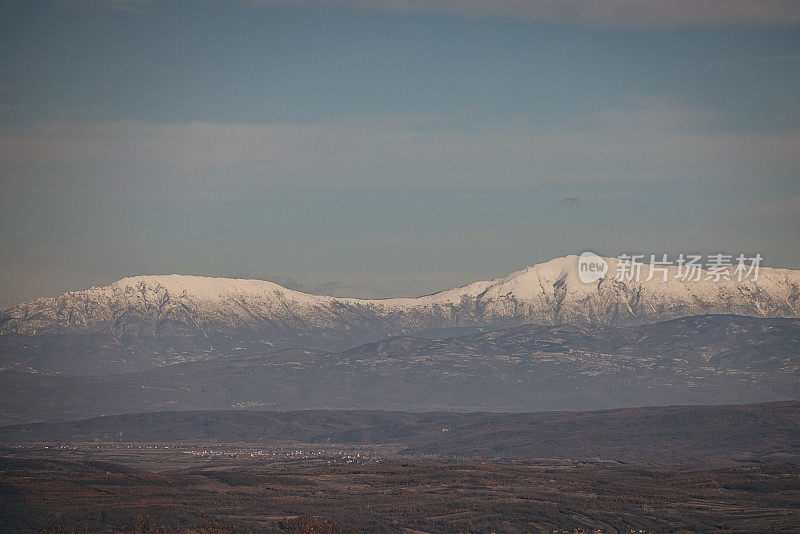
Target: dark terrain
<point>710,359</point>
<point>672,433</point>
<point>697,468</point>
<point>388,496</point>
<point>421,434</point>
<point>677,468</point>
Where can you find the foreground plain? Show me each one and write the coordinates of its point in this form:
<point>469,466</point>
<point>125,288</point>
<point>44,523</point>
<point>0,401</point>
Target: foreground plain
<point>678,468</point>
<point>389,496</point>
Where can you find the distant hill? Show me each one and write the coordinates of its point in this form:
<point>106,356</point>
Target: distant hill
<point>711,359</point>
<point>657,434</point>
<point>145,321</point>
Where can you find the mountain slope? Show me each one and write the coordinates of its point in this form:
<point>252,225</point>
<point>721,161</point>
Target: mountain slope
<point>143,321</point>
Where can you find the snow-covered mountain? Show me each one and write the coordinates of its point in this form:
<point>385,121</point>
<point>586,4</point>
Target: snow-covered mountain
<point>231,312</point>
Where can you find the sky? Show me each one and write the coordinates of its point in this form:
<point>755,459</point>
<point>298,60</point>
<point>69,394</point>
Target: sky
<point>390,147</point>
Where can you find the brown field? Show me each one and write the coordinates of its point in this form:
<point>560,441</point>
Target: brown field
<point>232,489</point>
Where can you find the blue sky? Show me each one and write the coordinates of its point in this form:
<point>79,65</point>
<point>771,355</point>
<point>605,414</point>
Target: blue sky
<point>398,148</point>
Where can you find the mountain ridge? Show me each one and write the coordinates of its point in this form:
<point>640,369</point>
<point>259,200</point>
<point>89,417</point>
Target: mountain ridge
<point>174,316</point>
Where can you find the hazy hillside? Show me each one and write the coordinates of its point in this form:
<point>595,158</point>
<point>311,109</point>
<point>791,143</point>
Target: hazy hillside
<point>713,359</point>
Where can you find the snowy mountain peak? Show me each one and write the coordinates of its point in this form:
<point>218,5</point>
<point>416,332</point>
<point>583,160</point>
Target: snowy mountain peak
<point>184,307</point>
<point>205,288</point>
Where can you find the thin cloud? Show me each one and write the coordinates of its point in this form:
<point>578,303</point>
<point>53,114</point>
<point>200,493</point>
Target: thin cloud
<point>599,13</point>
<point>606,13</point>
<point>785,58</point>
<point>132,6</point>
<point>653,140</point>
<point>786,208</point>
